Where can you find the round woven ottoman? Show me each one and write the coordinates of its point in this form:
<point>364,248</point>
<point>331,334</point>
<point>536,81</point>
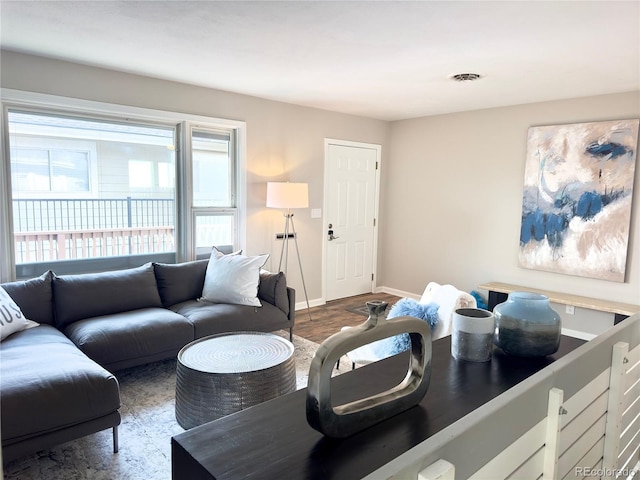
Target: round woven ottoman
<point>225,373</point>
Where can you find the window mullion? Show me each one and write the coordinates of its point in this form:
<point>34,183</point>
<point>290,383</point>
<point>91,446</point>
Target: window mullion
<point>186,244</point>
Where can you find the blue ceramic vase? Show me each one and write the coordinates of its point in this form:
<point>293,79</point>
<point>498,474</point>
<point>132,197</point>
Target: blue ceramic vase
<point>526,325</point>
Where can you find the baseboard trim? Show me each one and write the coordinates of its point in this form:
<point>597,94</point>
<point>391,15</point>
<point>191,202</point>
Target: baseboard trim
<point>312,303</point>
<point>317,302</point>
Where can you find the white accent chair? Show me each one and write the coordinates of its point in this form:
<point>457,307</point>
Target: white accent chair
<point>447,297</point>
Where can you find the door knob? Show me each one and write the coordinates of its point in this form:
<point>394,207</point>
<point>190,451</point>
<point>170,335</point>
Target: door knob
<point>330,233</point>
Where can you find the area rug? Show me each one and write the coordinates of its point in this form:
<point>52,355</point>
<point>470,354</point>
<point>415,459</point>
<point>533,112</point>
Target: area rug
<point>148,423</point>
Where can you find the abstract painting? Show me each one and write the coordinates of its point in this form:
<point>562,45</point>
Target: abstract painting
<point>576,205</point>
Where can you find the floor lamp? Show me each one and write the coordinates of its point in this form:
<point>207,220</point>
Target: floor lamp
<point>289,195</point>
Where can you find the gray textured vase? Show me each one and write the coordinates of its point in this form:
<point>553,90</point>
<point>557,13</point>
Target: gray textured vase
<point>340,421</point>
<point>526,325</point>
<point>472,334</point>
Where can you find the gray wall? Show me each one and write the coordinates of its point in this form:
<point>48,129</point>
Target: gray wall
<point>453,199</point>
<point>451,185</point>
<point>284,142</point>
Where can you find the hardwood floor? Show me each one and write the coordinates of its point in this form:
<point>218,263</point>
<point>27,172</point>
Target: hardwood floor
<point>331,317</point>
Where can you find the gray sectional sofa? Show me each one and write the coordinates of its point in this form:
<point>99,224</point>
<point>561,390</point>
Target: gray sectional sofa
<point>56,380</point>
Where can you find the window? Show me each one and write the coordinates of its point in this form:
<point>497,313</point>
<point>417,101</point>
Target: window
<point>140,174</point>
<point>119,213</point>
<point>48,170</point>
<point>213,190</point>
<point>151,174</point>
<point>166,175</point>
<point>94,186</point>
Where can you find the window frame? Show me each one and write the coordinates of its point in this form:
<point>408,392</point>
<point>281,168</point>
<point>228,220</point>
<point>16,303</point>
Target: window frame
<point>185,235</point>
<point>190,249</point>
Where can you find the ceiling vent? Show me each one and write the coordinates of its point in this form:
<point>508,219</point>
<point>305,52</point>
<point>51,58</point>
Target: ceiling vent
<point>466,77</point>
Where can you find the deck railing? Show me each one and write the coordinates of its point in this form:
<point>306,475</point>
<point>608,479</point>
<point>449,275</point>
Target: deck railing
<point>62,229</point>
<point>38,215</point>
<point>77,244</point>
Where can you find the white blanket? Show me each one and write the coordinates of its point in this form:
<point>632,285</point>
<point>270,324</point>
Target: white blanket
<point>449,298</point>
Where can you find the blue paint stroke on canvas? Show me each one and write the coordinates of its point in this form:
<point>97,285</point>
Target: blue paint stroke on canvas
<point>577,198</point>
<point>609,150</point>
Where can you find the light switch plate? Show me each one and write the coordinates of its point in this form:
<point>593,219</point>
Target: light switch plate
<point>316,213</point>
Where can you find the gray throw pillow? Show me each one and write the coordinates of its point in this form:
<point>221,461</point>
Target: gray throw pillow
<point>180,282</point>
<point>12,319</point>
<point>34,297</point>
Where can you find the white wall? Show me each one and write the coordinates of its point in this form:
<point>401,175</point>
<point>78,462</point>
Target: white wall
<point>284,142</point>
<point>453,198</point>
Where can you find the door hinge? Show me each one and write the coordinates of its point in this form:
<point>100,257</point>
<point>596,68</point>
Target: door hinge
<point>376,165</point>
<point>374,222</point>
<point>372,277</point>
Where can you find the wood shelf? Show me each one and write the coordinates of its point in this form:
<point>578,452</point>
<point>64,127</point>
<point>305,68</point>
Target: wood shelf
<point>617,308</point>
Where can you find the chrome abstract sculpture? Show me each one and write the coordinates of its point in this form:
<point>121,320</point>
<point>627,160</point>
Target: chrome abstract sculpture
<point>343,420</point>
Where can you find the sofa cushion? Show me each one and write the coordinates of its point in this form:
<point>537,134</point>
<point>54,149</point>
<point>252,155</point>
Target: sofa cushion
<point>213,318</point>
<point>48,384</point>
<point>273,289</point>
<point>12,319</point>
<point>180,282</point>
<point>95,294</point>
<point>131,338</point>
<point>34,297</point>
<point>233,279</point>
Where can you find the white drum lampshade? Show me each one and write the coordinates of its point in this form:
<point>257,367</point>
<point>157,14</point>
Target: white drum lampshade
<point>287,195</point>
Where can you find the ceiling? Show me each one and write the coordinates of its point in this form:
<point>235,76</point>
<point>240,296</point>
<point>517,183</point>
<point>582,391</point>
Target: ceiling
<point>388,60</point>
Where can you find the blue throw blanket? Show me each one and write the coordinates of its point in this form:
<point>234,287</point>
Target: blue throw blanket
<point>405,307</point>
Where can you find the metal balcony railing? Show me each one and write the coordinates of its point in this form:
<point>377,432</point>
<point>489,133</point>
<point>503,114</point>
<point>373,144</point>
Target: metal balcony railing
<point>59,229</point>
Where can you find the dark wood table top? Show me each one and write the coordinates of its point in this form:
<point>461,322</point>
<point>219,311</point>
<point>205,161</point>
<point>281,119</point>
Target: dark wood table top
<point>273,440</point>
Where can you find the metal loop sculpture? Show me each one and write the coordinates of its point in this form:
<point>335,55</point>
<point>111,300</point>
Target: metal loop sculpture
<point>344,420</point>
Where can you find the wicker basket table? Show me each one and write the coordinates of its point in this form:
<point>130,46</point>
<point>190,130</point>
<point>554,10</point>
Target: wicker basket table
<point>225,373</point>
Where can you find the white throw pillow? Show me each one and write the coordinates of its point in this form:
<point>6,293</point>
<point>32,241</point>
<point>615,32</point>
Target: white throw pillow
<point>12,319</point>
<point>233,279</point>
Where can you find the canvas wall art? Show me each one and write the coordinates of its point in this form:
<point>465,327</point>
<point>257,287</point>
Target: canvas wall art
<point>576,205</point>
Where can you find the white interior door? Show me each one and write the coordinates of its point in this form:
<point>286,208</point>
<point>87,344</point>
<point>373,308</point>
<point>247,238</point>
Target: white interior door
<point>351,186</point>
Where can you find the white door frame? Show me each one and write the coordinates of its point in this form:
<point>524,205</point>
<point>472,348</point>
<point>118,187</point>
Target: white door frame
<point>348,143</point>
